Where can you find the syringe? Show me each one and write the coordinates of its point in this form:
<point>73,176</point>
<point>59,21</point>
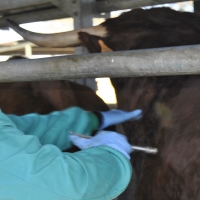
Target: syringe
<point>149,150</point>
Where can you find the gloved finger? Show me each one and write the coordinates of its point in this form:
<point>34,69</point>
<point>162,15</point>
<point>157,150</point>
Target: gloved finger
<point>123,142</point>
<point>135,114</point>
<point>80,142</point>
<point>115,140</point>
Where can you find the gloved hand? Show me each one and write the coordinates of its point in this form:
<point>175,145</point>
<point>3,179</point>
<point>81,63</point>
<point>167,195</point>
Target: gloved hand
<point>112,139</point>
<point>115,116</point>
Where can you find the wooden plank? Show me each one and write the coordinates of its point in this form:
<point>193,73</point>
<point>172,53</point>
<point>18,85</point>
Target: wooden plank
<point>38,51</point>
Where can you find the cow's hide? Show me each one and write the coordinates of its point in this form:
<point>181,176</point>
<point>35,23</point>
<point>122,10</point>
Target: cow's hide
<point>170,104</point>
<point>44,97</point>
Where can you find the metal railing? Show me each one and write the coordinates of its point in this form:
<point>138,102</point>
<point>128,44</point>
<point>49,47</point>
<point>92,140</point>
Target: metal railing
<point>150,62</point>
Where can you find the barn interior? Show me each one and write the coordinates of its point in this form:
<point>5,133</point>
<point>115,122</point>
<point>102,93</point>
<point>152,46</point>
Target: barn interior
<point>51,16</point>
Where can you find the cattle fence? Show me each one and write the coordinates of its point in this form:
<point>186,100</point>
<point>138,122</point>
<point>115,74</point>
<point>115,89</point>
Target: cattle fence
<point>149,62</point>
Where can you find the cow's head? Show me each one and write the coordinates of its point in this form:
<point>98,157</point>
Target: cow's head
<point>136,29</point>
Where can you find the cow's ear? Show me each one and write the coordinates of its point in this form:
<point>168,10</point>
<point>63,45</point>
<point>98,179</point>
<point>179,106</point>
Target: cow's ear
<point>90,42</point>
<point>103,46</point>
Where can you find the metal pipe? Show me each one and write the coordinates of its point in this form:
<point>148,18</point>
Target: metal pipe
<point>103,6</point>
<point>33,16</point>
<point>54,13</point>
<point>145,149</point>
<point>150,62</point>
<point>13,4</point>
<point>110,5</point>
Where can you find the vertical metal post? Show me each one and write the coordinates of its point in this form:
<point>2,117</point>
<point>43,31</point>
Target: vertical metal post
<point>84,18</point>
<point>196,6</point>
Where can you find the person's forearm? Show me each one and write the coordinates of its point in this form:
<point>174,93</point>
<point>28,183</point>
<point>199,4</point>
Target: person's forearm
<point>34,171</point>
<point>102,173</point>
<point>54,128</point>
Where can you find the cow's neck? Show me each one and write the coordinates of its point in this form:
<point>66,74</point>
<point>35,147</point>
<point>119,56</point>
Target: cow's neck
<point>153,96</point>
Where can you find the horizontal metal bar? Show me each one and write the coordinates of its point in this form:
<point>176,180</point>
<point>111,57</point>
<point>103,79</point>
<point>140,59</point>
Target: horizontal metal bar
<point>15,8</point>
<point>41,15</point>
<point>16,4</point>
<point>103,6</point>
<point>150,62</point>
<point>110,5</point>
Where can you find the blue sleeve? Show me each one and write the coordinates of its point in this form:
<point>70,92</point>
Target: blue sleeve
<point>55,127</point>
<point>32,171</point>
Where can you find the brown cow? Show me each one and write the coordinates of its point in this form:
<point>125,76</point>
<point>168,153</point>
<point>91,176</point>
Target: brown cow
<point>44,97</point>
<point>170,104</point>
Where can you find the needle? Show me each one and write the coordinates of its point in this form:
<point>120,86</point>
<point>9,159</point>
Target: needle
<point>138,148</point>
